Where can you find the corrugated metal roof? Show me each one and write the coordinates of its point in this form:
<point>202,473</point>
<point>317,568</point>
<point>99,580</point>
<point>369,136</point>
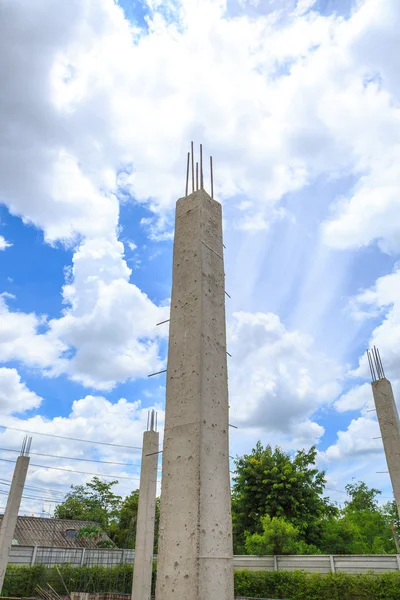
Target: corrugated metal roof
<point>40,531</point>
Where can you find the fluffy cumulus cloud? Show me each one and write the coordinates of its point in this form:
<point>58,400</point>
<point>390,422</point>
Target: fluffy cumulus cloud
<point>20,338</point>
<point>277,379</point>
<point>120,425</point>
<point>101,94</point>
<point>361,437</point>
<point>107,333</point>
<point>371,211</point>
<point>109,322</point>
<point>357,398</point>
<point>382,303</point>
<point>15,397</point>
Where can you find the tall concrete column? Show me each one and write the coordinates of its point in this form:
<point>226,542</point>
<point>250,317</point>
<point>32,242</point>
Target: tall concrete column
<point>388,419</point>
<point>13,503</point>
<point>144,545</point>
<point>195,556</point>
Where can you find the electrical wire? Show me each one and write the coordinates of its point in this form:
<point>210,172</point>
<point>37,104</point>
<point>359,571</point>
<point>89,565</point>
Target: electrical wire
<point>31,487</point>
<point>104,462</point>
<point>73,471</point>
<point>34,498</point>
<point>344,492</point>
<point>63,437</point>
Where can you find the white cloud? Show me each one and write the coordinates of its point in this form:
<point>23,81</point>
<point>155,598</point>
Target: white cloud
<point>15,397</point>
<point>358,439</point>
<point>4,244</point>
<point>277,379</point>
<point>91,418</point>
<point>383,298</point>
<point>107,333</point>
<point>120,97</point>
<point>109,322</point>
<point>20,338</point>
<point>357,398</point>
<point>371,211</point>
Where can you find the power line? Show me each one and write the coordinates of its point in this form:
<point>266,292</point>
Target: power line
<point>63,437</point>
<point>73,471</point>
<point>33,498</point>
<point>104,462</point>
<point>31,487</point>
<point>344,492</point>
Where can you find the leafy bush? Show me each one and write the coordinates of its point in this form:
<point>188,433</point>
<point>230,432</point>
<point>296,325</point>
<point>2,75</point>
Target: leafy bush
<point>278,537</point>
<point>22,581</point>
<point>298,585</point>
<point>295,585</point>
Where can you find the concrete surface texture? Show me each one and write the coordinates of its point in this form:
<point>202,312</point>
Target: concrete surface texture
<point>195,556</point>
<point>144,545</point>
<point>389,424</point>
<point>11,513</point>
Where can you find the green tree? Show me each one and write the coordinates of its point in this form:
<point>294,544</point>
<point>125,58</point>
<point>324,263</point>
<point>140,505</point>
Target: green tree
<point>340,536</point>
<point>124,528</point>
<point>94,501</point>
<point>278,537</point>
<point>363,498</point>
<point>271,482</point>
<point>374,534</point>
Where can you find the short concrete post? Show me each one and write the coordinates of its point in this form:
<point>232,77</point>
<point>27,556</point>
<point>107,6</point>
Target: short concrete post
<point>398,561</point>
<point>275,562</point>
<point>13,503</point>
<point>332,561</point>
<point>34,553</point>
<point>144,544</point>
<point>83,557</point>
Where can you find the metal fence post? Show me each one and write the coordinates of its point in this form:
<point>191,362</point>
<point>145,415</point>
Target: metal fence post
<point>33,559</point>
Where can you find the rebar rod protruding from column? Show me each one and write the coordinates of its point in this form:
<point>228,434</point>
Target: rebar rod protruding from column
<point>197,176</point>
<point>187,175</point>
<point>212,177</point>
<point>192,151</point>
<point>201,167</point>
<point>375,364</point>
<point>152,421</point>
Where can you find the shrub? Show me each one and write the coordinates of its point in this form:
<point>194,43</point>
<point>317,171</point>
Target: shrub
<point>291,585</point>
<point>298,585</point>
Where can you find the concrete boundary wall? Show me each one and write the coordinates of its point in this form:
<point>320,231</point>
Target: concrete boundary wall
<point>317,563</point>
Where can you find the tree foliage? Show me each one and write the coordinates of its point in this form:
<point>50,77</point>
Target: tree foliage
<point>271,482</point>
<point>94,501</point>
<point>278,537</point>
<point>97,502</point>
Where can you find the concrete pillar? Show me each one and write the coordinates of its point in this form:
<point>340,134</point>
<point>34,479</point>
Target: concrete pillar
<point>195,556</point>
<point>11,513</point>
<point>389,424</point>
<point>144,545</point>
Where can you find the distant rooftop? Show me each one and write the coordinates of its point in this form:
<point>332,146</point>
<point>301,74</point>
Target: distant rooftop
<point>40,531</point>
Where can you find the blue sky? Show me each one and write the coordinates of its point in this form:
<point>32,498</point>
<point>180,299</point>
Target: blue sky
<point>298,103</point>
